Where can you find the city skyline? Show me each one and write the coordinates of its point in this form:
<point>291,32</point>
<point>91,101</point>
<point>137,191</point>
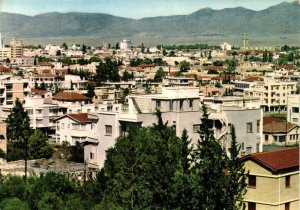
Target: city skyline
<point>126,8</point>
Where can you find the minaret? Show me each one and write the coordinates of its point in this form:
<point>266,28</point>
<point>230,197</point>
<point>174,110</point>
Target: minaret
<point>245,41</point>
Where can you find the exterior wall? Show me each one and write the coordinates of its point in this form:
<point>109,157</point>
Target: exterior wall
<point>247,139</point>
<point>76,106</point>
<point>293,136</point>
<point>270,191</point>
<point>293,110</point>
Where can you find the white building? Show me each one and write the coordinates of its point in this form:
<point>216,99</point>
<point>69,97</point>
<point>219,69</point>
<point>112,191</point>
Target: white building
<point>293,109</point>
<point>225,46</point>
<point>76,127</point>
<point>126,45</point>
<point>180,107</point>
<point>272,93</point>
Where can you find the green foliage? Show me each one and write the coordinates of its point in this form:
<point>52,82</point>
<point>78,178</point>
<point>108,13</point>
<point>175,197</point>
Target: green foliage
<point>65,46</point>
<point>184,66</point>
<point>218,63</point>
<point>127,76</point>
<point>108,71</point>
<point>142,48</point>
<point>39,146</point>
<point>236,178</point>
<point>211,71</point>
<point>90,91</point>
<point>77,153</point>
<point>14,204</point>
<point>172,54</point>
<point>49,201</point>
<point>83,49</point>
<point>159,75</point>
<point>95,59</point>
<point>2,154</point>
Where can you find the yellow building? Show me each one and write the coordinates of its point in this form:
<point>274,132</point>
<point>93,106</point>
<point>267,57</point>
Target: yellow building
<point>273,181</point>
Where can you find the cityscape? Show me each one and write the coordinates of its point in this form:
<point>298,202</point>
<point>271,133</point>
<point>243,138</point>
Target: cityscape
<point>169,108</point>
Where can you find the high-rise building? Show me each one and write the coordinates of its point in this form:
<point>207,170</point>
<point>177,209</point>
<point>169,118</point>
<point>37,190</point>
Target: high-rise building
<point>16,48</point>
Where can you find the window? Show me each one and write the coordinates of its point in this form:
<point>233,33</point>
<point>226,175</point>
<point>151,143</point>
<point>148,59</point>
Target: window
<point>181,104</point>
<point>251,206</point>
<point>92,126</point>
<point>171,105</point>
<point>108,129</point>
<point>196,128</point>
<point>158,104</point>
<point>62,126</point>
<point>287,181</point>
<point>249,127</point>
<point>191,104</point>
<point>295,109</point>
<point>249,150</point>
<point>92,155</point>
<point>251,181</point>
<point>295,120</point>
<point>243,146</point>
<point>287,206</point>
<point>266,138</point>
<point>75,126</point>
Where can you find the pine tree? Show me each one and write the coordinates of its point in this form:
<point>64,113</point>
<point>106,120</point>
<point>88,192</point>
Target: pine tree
<point>236,185</point>
<point>209,164</point>
<point>18,128</point>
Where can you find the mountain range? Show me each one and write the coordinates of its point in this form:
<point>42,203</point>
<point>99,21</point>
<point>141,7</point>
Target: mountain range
<point>281,19</point>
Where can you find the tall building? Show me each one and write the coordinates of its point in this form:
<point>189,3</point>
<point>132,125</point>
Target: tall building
<point>16,48</point>
<point>126,45</point>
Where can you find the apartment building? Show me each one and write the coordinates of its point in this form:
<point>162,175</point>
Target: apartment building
<point>293,109</point>
<point>272,93</point>
<point>273,180</point>
<point>16,49</point>
<point>12,88</point>
<point>180,107</point>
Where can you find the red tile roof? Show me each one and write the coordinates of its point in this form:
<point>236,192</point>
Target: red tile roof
<point>39,92</point>
<point>277,127</point>
<point>144,65</point>
<point>45,64</point>
<point>70,96</point>
<point>4,69</point>
<point>216,68</point>
<point>253,79</point>
<point>278,160</point>
<point>286,66</point>
<point>82,118</point>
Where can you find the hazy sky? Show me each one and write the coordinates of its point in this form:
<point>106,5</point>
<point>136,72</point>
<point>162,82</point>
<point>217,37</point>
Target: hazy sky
<point>129,8</point>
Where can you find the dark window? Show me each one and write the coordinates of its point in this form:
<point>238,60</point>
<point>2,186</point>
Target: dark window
<point>295,109</point>
<point>251,206</point>
<point>288,181</point>
<point>249,127</point>
<point>266,138</point>
<point>251,181</point>
<point>287,206</point>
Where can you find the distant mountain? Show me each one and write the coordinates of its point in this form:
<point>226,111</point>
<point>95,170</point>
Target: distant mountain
<point>280,19</point>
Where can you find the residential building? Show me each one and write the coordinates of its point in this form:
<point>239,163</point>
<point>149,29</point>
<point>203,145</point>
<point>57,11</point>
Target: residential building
<point>225,46</point>
<point>273,180</point>
<point>12,88</point>
<point>74,82</point>
<point>80,127</point>
<point>126,45</point>
<point>22,61</point>
<point>73,102</point>
<point>293,109</point>
<point>178,104</point>
<point>16,49</point>
<point>278,131</point>
<point>272,93</point>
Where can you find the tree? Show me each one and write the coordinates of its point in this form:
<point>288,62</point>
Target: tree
<point>43,86</point>
<point>209,55</point>
<point>236,185</point>
<point>50,201</point>
<point>143,48</point>
<point>265,56</point>
<point>58,53</point>
<point>117,46</point>
<point>209,164</point>
<point>65,46</point>
<point>90,91</point>
<point>18,128</point>
<point>270,58</point>
<point>126,76</point>
<point>39,146</point>
<point>83,49</point>
<point>77,153</point>
<point>184,66</point>
<point>159,75</point>
<point>13,204</point>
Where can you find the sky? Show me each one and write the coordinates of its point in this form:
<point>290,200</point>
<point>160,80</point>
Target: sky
<point>129,8</point>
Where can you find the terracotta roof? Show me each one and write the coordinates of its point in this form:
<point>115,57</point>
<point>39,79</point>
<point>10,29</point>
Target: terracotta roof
<point>45,64</point>
<point>277,126</point>
<point>43,75</point>
<point>216,68</point>
<point>253,79</point>
<point>286,66</point>
<point>39,92</point>
<point>278,160</point>
<point>82,118</point>
<point>70,96</point>
<point>144,65</point>
<point>4,69</point>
